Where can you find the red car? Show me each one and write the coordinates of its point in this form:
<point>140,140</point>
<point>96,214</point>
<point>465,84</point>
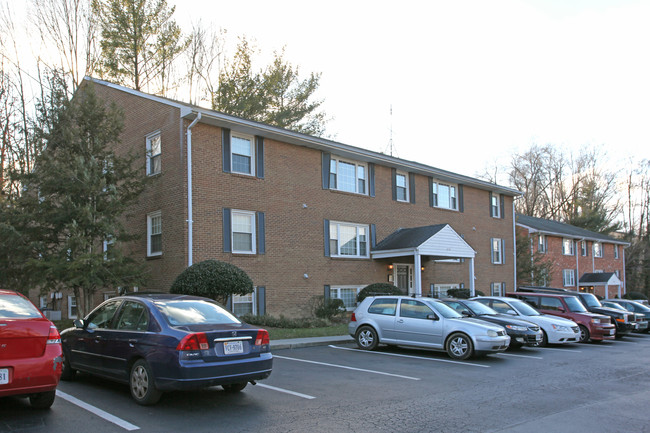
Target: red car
<point>30,351</point>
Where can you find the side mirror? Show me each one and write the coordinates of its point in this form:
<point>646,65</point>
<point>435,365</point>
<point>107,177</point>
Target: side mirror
<point>432,317</point>
<point>561,309</point>
<point>511,312</point>
<point>466,313</point>
<point>78,323</point>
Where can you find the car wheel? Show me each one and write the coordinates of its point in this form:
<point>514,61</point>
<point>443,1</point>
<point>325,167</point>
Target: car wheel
<point>544,341</point>
<point>234,387</point>
<point>143,388</point>
<point>367,338</point>
<point>42,400</point>
<point>67,372</point>
<point>459,346</point>
<point>584,334</point>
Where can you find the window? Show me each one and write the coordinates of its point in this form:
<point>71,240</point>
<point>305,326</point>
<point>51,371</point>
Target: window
<point>616,251</point>
<point>444,196</point>
<point>598,249</point>
<point>348,294</point>
<point>495,207</point>
<point>583,248</point>
<point>348,240</point>
<point>542,244</point>
<point>242,153</point>
<point>402,187</point>
<point>441,290</point>
<point>414,309</point>
<point>386,307</point>
<point>348,176</point>
<point>567,247</point>
<point>244,304</point>
<point>154,150</point>
<point>103,317</point>
<point>496,289</point>
<point>497,251</point>
<point>133,317</point>
<point>154,234</point>
<point>550,303</point>
<point>108,247</point>
<point>72,307</point>
<point>568,276</point>
<point>243,232</point>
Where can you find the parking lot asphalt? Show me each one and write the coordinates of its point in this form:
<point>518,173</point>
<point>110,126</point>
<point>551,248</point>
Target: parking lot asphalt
<point>295,343</point>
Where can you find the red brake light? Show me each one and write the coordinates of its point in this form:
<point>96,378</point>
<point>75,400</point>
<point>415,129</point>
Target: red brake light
<point>353,318</point>
<point>262,337</point>
<point>54,337</point>
<point>198,341</point>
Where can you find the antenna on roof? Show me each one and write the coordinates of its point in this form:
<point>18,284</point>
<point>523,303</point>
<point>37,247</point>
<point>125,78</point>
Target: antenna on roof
<point>391,147</point>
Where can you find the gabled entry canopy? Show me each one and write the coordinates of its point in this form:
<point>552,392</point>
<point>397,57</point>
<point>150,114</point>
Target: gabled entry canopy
<point>601,279</point>
<point>438,241</point>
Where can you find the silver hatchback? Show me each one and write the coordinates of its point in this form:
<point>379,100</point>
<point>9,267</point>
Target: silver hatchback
<point>423,322</point>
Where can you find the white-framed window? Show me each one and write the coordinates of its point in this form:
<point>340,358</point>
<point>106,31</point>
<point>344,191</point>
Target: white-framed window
<point>583,248</point>
<point>243,232</point>
<point>154,151</point>
<point>616,251</point>
<point>442,290</point>
<point>244,304</point>
<point>107,246</point>
<point>348,239</point>
<point>348,294</point>
<point>42,302</point>
<point>569,277</point>
<point>154,234</point>
<point>444,196</point>
<point>497,250</point>
<point>402,186</point>
<point>542,244</point>
<point>72,307</point>
<point>567,247</point>
<point>496,289</point>
<point>242,153</point>
<point>348,176</point>
<point>495,206</point>
<point>598,249</point>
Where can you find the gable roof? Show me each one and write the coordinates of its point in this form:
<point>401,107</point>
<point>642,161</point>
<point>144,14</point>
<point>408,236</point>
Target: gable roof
<point>550,227</point>
<point>600,279</point>
<point>216,118</point>
<point>438,240</point>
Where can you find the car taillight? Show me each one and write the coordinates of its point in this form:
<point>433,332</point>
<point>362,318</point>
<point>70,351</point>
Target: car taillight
<point>262,338</point>
<point>353,318</point>
<point>198,341</point>
<point>54,337</point>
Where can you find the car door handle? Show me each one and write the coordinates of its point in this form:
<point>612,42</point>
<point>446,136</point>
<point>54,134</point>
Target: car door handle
<point>132,342</point>
<point>99,338</point>
<point>400,321</point>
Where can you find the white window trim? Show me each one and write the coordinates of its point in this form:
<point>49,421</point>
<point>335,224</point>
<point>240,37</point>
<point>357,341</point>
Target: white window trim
<point>336,160</point>
<point>149,234</point>
<point>248,214</point>
<point>616,252</point>
<point>499,250</point>
<point>71,298</point>
<point>109,242</point>
<point>583,248</point>
<point>571,252</point>
<point>335,293</point>
<point>495,211</point>
<point>451,187</point>
<point>148,139</point>
<point>437,289</point>
<point>496,289</point>
<point>597,246</point>
<point>572,278</point>
<point>236,299</point>
<point>338,225</point>
<point>542,245</point>
<point>251,140</point>
<point>407,196</point>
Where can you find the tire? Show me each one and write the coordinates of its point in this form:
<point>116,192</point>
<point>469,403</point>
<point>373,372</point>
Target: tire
<point>67,372</point>
<point>142,384</point>
<point>234,387</point>
<point>42,400</point>
<point>460,346</point>
<point>584,334</point>
<point>367,338</point>
<point>544,341</point>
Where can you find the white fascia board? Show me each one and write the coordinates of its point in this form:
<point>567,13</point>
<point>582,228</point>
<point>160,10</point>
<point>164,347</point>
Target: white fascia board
<point>387,254</point>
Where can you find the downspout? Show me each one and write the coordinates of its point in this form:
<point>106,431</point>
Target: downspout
<point>190,222</point>
<point>624,277</point>
<point>575,250</point>
<point>514,245</point>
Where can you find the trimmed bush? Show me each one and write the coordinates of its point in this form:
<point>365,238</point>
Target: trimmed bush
<point>375,289</point>
<point>213,279</point>
<point>635,295</point>
<point>463,293</point>
<point>327,308</point>
<point>283,322</point>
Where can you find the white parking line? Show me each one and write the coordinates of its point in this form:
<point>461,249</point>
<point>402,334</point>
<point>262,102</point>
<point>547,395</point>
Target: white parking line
<point>519,356</point>
<point>97,411</point>
<point>568,350</point>
<point>286,391</point>
<point>628,342</point>
<point>412,356</point>
<point>346,367</point>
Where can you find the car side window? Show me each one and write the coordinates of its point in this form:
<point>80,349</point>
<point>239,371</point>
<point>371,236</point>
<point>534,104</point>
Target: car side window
<point>460,308</point>
<point>133,317</point>
<point>387,307</point>
<point>550,304</point>
<point>531,300</point>
<point>501,307</point>
<point>103,317</point>
<point>414,309</point>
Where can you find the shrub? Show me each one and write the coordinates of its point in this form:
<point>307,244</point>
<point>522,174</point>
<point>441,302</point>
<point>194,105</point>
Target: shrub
<point>375,289</point>
<point>327,308</point>
<point>283,322</point>
<point>459,293</point>
<point>213,279</point>
<point>635,295</point>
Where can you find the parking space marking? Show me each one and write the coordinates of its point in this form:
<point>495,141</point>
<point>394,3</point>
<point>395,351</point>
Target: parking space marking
<point>286,391</point>
<point>97,411</point>
<point>628,342</point>
<point>347,368</point>
<point>412,357</point>
<point>519,356</point>
<point>568,350</point>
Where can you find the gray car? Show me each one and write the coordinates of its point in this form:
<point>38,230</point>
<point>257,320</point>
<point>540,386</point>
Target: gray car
<point>423,322</point>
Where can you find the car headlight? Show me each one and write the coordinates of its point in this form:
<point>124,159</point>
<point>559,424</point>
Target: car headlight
<point>516,328</point>
<point>561,328</point>
<point>595,320</point>
<point>492,333</point>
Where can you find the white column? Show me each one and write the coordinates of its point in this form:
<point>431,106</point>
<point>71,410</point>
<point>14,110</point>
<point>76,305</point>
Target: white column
<point>472,292</point>
<point>418,274</point>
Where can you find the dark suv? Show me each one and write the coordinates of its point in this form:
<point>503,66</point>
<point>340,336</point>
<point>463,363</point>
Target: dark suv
<point>593,326</point>
<point>622,320</point>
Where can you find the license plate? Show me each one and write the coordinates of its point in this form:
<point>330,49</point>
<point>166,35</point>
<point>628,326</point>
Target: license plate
<point>4,376</point>
<point>233,347</point>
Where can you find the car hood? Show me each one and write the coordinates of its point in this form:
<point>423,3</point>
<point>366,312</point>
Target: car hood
<point>504,319</point>
<point>548,318</point>
<point>475,321</point>
<point>609,311</point>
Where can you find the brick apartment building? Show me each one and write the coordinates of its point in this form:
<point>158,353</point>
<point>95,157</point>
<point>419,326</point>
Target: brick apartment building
<point>582,260</point>
<point>303,216</point>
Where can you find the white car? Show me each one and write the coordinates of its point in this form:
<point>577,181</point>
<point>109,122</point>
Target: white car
<point>556,329</point>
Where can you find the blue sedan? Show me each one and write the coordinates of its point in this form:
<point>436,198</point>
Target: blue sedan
<point>166,342</point>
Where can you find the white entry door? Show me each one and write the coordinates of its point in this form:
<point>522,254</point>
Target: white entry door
<point>404,277</point>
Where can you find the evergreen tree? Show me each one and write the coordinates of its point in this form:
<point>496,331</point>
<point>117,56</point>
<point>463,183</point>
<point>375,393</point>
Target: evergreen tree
<point>533,269</point>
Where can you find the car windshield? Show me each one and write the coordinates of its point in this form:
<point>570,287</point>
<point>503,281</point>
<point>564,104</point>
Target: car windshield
<point>574,304</point>
<point>194,312</point>
<point>524,309</point>
<point>17,307</point>
<point>444,310</point>
<point>613,305</point>
<point>478,308</point>
<point>591,300</point>
<point>641,307</point>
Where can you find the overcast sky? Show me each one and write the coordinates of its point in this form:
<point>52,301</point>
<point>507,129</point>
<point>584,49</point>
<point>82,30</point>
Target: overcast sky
<point>469,82</point>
